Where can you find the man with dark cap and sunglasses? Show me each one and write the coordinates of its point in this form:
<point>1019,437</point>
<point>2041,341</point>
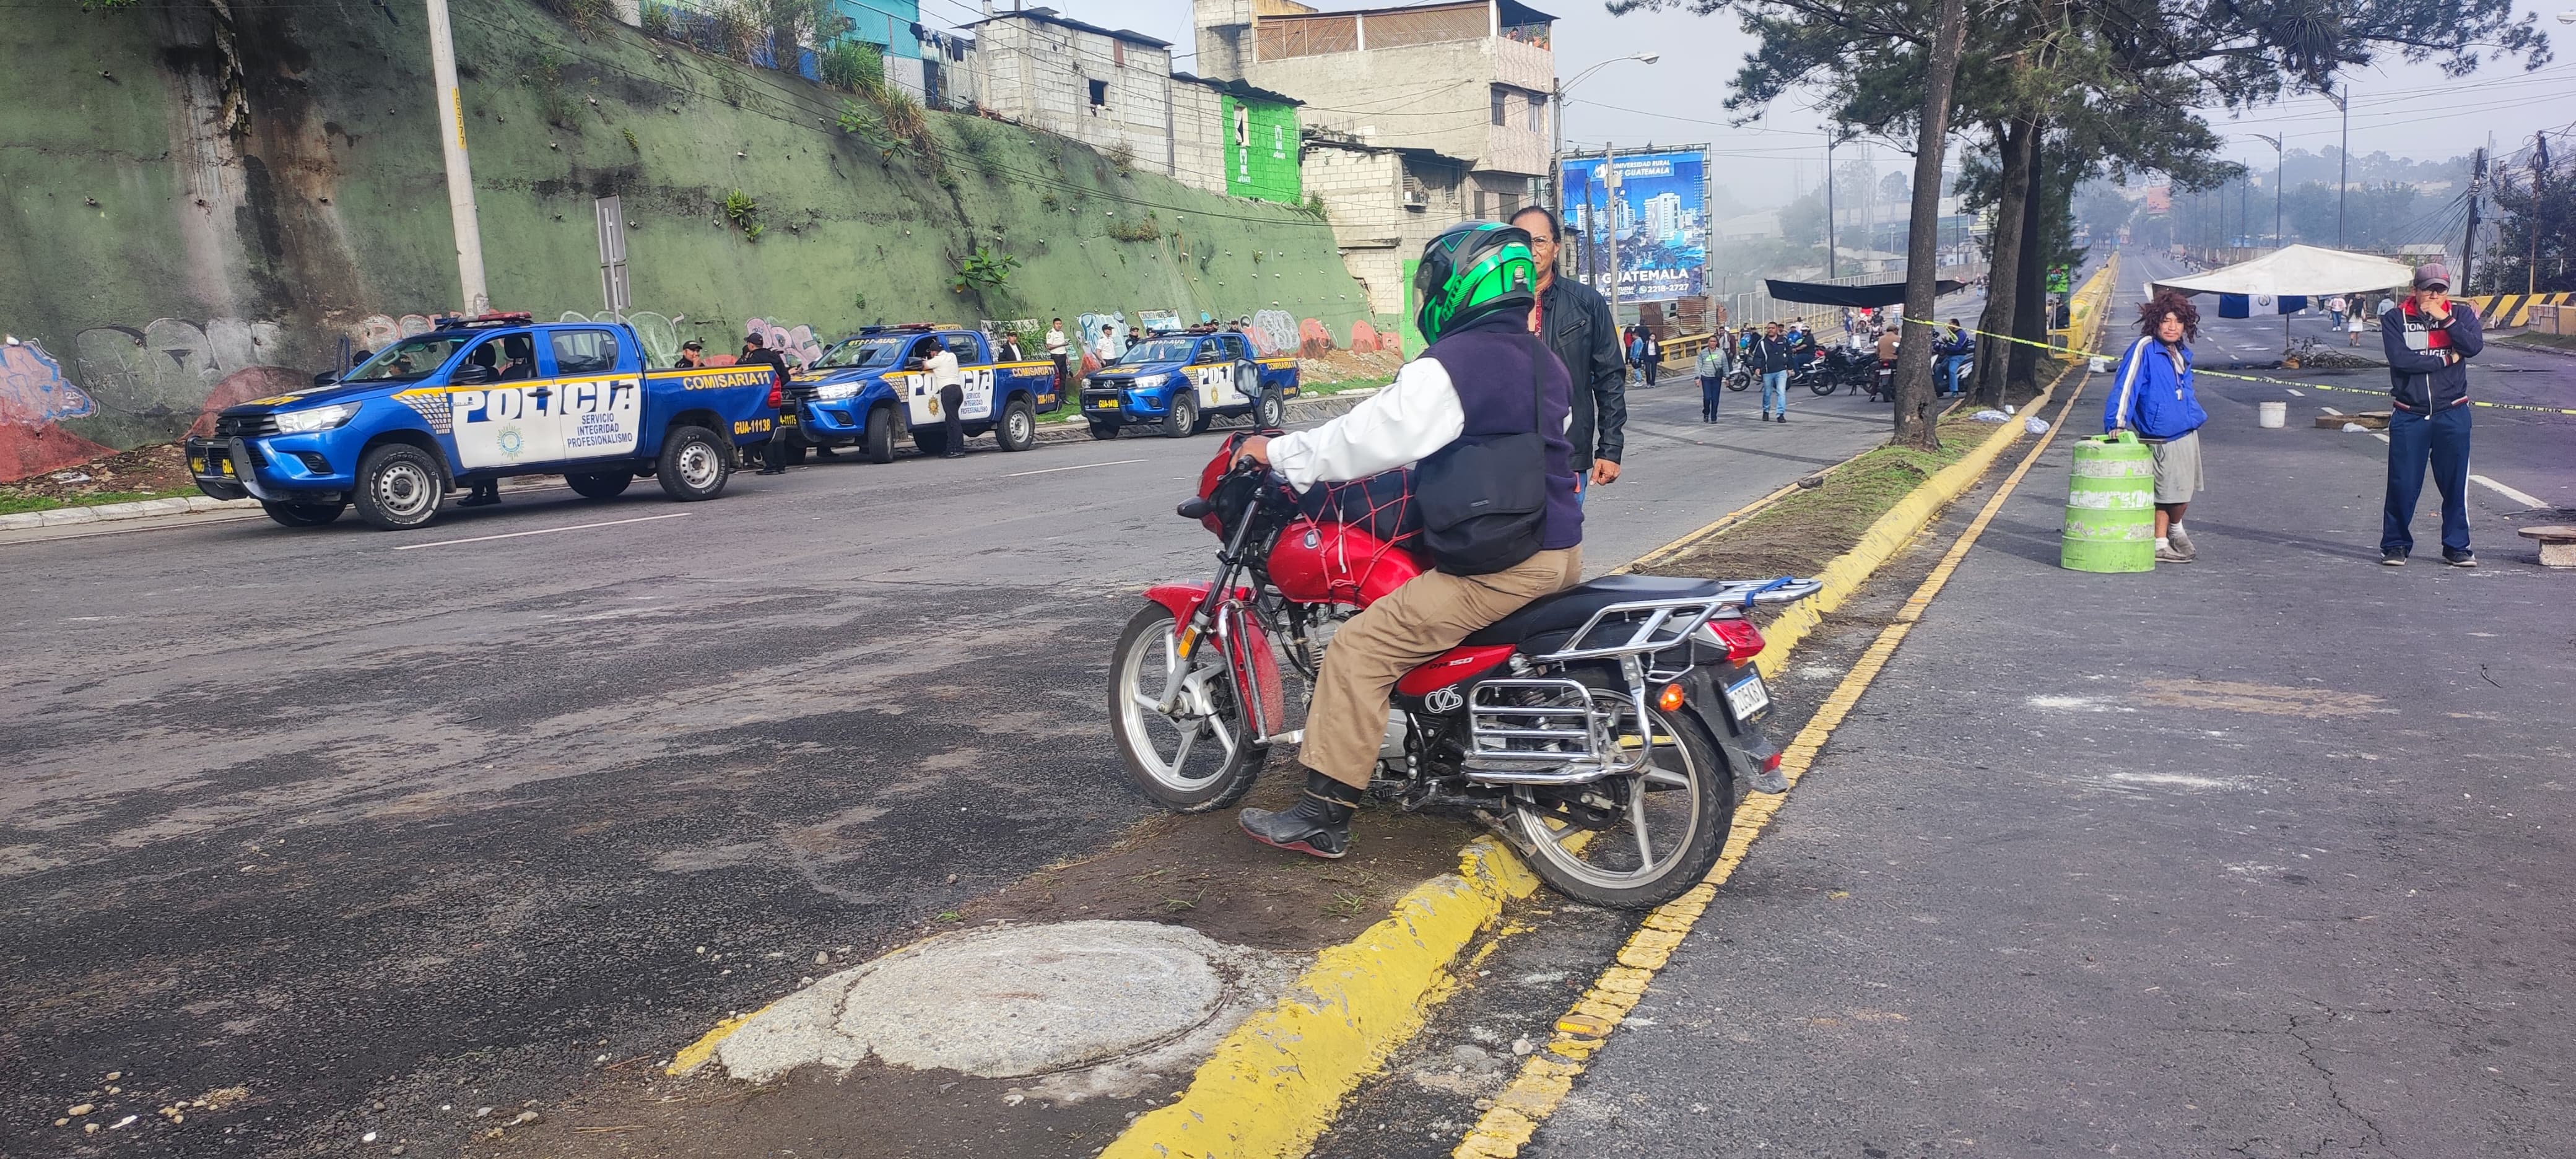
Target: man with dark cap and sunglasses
<point>2429,338</point>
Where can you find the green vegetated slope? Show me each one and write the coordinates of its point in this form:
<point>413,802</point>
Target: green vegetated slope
<point>127,204</point>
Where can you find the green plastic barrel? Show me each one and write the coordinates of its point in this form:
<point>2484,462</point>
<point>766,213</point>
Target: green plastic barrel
<point>2111,506</point>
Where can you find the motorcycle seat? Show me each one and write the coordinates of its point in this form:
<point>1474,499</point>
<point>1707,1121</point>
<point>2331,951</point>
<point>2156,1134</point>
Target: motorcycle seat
<point>1568,609</point>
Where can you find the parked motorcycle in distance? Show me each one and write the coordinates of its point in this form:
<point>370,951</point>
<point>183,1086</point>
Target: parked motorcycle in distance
<point>1599,729</point>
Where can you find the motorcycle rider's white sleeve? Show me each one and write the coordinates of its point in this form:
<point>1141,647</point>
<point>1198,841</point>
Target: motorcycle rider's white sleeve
<point>1415,415</point>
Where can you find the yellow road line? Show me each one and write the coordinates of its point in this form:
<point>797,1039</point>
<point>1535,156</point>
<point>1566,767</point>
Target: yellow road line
<point>1548,1075</point>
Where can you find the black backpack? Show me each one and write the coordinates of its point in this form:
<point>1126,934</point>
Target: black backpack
<point>1484,505</point>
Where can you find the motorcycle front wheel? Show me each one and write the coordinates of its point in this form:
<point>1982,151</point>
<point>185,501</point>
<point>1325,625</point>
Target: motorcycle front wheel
<point>1199,757</point>
<point>1821,383</point>
<point>1671,824</point>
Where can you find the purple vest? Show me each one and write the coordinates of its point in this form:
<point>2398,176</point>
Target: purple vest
<point>1489,364</point>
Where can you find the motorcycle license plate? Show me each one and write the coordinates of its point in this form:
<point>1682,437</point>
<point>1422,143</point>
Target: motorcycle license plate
<point>1747,698</point>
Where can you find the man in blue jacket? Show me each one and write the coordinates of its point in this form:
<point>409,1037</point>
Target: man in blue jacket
<point>2428,339</point>
<point>2153,397</point>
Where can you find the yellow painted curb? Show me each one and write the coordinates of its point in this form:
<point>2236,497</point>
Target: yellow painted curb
<point>1845,573</point>
<point>696,1054</point>
<point>1274,1084</point>
<point>1548,1076</point>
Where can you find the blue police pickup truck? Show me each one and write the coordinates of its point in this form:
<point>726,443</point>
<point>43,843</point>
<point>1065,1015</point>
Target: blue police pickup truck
<point>872,388</point>
<point>484,398</point>
<point>1174,382</point>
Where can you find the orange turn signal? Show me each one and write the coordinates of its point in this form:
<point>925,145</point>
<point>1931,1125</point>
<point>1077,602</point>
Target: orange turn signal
<point>1671,700</point>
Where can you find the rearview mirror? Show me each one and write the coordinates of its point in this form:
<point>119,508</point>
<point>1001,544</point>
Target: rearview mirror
<point>472,374</point>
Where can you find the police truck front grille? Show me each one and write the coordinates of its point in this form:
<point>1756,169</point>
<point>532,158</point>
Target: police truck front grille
<point>245,426</point>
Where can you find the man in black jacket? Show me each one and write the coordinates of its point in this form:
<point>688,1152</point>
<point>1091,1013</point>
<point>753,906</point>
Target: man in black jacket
<point>773,454</point>
<point>1575,322</point>
<point>2429,338</point>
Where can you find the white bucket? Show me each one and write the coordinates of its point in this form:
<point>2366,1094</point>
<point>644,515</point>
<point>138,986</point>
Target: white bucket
<point>2272,414</point>
<point>2101,364</point>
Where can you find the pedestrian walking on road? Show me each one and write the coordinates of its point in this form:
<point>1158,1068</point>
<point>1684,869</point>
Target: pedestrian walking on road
<point>950,384</point>
<point>2335,306</point>
<point>1574,320</point>
<point>773,454</point>
<point>2352,325</point>
<point>2154,399</point>
<point>2429,339</point>
<point>1771,361</point>
<point>1653,355</point>
<point>1714,360</point>
<point>1057,348</point>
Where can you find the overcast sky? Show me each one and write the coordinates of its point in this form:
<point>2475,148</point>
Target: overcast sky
<point>2406,110</point>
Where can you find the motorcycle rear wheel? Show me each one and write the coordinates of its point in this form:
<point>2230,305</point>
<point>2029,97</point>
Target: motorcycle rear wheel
<point>1194,762</point>
<point>1686,798</point>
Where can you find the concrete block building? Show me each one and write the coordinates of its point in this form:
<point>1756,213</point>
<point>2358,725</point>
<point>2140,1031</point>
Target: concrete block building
<point>1416,117</point>
<point>1109,88</point>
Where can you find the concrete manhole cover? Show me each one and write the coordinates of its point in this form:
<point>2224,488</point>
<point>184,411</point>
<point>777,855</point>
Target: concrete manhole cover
<point>1016,1001</point>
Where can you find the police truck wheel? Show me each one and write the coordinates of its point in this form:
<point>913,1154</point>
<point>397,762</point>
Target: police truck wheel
<point>1270,413</point>
<point>1182,420</point>
<point>932,442</point>
<point>303,514</point>
<point>694,465</point>
<point>1019,429</point>
<point>1101,430</point>
<point>599,484</point>
<point>399,486</point>
<point>880,440</point>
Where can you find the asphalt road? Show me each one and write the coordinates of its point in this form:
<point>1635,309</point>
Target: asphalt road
<point>448,819</point>
<point>2265,855</point>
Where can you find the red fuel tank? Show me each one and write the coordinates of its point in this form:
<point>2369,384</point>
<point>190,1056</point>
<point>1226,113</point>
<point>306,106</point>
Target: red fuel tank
<point>1319,563</point>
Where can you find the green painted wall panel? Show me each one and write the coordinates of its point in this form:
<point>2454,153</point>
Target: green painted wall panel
<point>1261,150</point>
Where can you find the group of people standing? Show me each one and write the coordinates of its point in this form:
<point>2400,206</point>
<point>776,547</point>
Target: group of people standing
<point>2428,338</point>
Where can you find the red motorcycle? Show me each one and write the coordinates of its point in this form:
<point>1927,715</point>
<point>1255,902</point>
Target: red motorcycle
<point>1599,729</point>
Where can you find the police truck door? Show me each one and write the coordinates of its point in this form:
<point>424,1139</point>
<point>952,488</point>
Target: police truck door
<point>600,392</point>
<point>506,424</point>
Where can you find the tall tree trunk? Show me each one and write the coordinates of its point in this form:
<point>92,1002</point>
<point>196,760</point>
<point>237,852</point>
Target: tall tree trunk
<point>1914,425</point>
<point>2003,265</point>
<point>2030,295</point>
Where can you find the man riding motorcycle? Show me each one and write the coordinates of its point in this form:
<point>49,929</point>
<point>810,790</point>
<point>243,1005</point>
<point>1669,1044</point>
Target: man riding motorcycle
<point>1472,386</point>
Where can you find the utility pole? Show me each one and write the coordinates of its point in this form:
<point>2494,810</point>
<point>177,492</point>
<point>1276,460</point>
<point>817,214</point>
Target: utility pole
<point>2539,167</point>
<point>2343,161</point>
<point>2280,170</point>
<point>2469,244</point>
<point>1829,209</point>
<point>460,176</point>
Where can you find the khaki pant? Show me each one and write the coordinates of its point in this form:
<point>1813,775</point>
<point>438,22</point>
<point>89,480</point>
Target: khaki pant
<point>1427,616</point>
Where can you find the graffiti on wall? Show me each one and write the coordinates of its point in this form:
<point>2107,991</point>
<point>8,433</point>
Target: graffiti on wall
<point>171,376</point>
<point>1091,326</point>
<point>659,334</point>
<point>377,331</point>
<point>1274,332</point>
<point>798,343</point>
<point>34,398</point>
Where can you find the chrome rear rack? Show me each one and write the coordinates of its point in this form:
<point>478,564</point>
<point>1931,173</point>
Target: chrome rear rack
<point>1654,625</point>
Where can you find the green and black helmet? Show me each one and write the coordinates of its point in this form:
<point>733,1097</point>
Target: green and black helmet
<point>1471,271</point>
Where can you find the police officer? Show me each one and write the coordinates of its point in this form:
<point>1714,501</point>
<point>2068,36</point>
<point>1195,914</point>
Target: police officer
<point>950,383</point>
<point>773,455</point>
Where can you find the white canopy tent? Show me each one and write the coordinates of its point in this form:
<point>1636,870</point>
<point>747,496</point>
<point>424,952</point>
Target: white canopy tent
<point>2297,271</point>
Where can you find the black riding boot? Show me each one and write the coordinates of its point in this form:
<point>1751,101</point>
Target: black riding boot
<point>1319,824</point>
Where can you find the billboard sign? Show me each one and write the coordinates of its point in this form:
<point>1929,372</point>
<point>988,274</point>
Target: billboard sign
<point>1657,203</point>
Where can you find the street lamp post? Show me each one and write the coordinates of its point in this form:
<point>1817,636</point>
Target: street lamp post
<point>1556,126</point>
